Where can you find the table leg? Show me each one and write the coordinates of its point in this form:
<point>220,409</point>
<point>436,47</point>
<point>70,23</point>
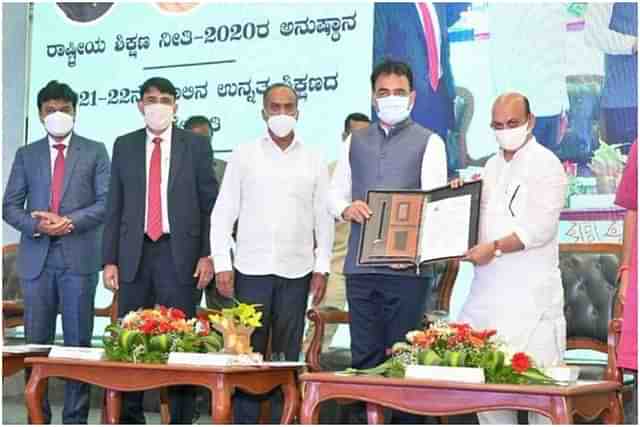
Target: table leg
<point>311,405</point>
<point>614,414</point>
<point>221,405</point>
<point>114,406</point>
<point>374,414</point>
<point>34,392</point>
<point>291,396</point>
<point>560,410</point>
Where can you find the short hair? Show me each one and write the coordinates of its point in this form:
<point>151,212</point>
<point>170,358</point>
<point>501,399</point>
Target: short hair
<point>356,117</point>
<point>527,106</point>
<point>390,66</point>
<point>194,121</point>
<point>275,86</point>
<point>160,83</point>
<point>57,90</point>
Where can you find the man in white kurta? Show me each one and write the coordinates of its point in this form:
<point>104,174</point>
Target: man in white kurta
<point>517,286</point>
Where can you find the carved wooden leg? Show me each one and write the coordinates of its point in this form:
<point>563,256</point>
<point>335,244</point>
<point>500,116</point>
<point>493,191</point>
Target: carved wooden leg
<point>221,405</point>
<point>614,414</point>
<point>34,392</point>
<point>311,404</point>
<point>113,406</point>
<point>291,395</point>
<point>560,410</point>
<point>165,414</point>
<point>374,414</point>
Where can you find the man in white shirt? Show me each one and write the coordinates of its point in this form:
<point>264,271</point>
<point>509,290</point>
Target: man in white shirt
<point>392,153</point>
<point>517,287</point>
<point>276,187</point>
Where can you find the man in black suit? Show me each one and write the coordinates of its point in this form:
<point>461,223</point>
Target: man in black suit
<point>156,239</point>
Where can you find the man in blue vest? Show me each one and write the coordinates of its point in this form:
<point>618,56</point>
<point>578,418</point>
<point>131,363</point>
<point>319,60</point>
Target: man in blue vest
<point>392,153</point>
<point>613,29</point>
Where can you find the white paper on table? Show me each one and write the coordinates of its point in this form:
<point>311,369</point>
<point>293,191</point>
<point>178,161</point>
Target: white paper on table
<point>26,348</point>
<point>83,353</point>
<point>445,228</point>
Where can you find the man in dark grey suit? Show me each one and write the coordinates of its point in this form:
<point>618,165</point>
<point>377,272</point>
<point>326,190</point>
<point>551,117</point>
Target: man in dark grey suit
<point>156,238</point>
<point>63,180</point>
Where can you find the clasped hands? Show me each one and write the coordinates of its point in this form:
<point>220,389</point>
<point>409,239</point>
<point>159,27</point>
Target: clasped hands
<point>52,224</point>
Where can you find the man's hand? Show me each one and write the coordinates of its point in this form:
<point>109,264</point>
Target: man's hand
<point>358,212</point>
<point>318,287</point>
<point>52,224</point>
<point>204,271</point>
<point>224,283</point>
<point>481,254</point>
<point>110,277</point>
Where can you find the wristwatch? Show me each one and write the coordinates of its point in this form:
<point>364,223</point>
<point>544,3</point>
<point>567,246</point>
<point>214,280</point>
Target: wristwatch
<point>497,251</point>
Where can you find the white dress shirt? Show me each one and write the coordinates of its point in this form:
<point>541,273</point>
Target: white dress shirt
<point>597,33</point>
<point>54,151</point>
<point>433,174</point>
<point>165,161</point>
<point>280,201</point>
<point>515,292</point>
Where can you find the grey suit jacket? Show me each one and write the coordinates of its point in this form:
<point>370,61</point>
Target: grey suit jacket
<point>84,198</point>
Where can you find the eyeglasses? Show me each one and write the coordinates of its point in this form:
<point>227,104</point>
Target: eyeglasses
<point>511,124</point>
<point>164,100</point>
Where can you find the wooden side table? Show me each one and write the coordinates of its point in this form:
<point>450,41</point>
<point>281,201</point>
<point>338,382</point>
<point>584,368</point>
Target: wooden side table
<point>13,363</point>
<point>119,377</point>
<point>441,398</point>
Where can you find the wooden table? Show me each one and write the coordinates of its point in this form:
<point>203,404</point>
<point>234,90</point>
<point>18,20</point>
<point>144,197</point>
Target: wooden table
<point>441,398</point>
<point>119,377</point>
<point>13,363</point>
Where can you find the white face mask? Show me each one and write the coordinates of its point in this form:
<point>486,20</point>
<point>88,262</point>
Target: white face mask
<point>58,124</point>
<point>393,109</point>
<point>512,139</point>
<point>282,124</point>
<point>158,117</point>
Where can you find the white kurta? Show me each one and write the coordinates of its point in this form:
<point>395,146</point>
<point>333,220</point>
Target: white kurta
<point>520,294</point>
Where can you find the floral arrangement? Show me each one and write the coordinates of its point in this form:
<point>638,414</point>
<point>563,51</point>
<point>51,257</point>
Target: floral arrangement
<point>236,324</point>
<point>148,335</point>
<point>458,345</point>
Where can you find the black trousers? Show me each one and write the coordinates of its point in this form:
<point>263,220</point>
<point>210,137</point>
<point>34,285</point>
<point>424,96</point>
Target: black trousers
<point>382,309</point>
<point>284,305</point>
<point>157,283</point>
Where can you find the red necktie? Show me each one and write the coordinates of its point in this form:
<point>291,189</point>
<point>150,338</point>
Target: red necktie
<point>432,49</point>
<point>154,203</point>
<point>58,179</point>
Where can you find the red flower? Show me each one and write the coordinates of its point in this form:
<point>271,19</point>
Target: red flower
<point>520,362</point>
<point>177,314</point>
<point>164,327</point>
<point>148,326</point>
<point>203,316</point>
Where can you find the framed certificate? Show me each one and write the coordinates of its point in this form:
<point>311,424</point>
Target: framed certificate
<point>419,227</point>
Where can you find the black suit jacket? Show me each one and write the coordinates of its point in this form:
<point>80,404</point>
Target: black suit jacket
<point>191,192</point>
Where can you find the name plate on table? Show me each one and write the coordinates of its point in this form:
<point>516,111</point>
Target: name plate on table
<point>563,374</point>
<point>445,373</point>
<point>83,353</point>
<point>26,348</point>
<point>214,359</point>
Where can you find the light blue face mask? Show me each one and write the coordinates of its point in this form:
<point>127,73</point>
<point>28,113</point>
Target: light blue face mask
<point>393,109</point>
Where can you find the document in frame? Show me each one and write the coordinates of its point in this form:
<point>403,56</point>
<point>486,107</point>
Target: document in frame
<point>452,215</point>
